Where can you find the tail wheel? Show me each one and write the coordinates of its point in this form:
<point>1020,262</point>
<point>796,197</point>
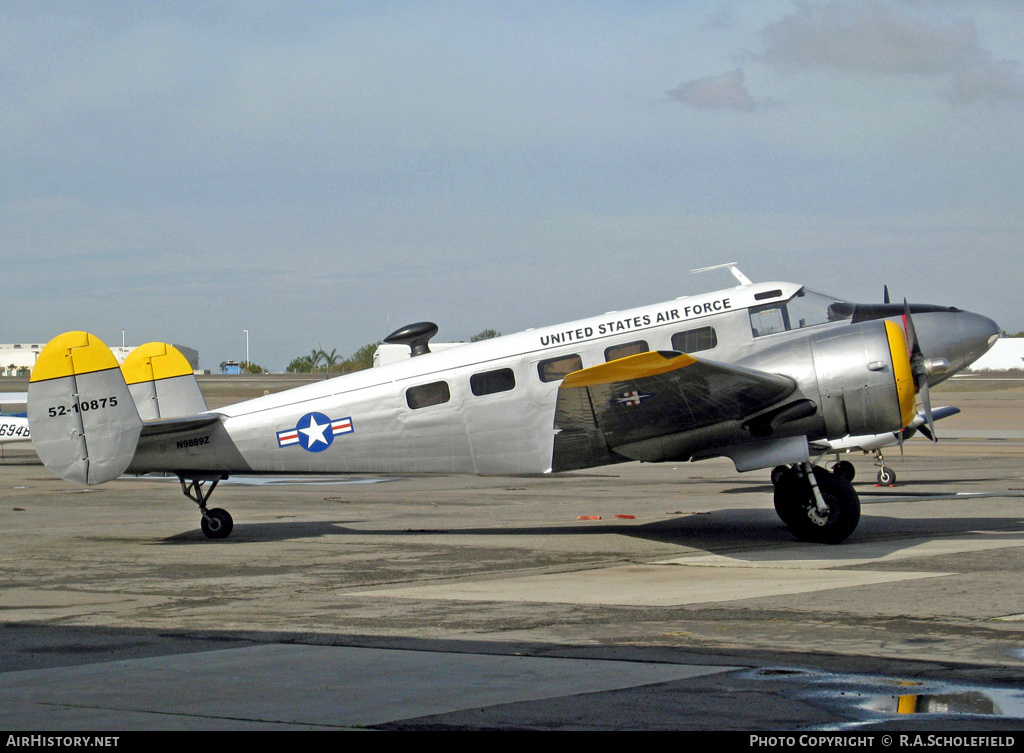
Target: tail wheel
<point>794,503</point>
<point>217,523</point>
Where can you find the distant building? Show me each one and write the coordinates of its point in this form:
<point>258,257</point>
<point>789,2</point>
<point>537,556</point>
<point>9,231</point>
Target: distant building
<point>231,367</point>
<point>1006,354</point>
<point>391,352</point>
<point>19,359</point>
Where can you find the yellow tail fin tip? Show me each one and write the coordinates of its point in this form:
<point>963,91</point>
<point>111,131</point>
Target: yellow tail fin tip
<point>72,353</point>
<point>154,361</point>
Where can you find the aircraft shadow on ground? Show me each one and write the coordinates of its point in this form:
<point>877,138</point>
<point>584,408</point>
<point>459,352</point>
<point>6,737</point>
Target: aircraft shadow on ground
<point>742,534</point>
<point>869,487</point>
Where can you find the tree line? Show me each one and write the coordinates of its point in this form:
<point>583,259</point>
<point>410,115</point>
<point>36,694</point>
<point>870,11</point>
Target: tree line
<point>332,362</point>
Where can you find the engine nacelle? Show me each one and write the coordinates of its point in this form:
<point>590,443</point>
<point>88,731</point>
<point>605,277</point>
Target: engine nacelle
<point>865,383</point>
<point>859,376</point>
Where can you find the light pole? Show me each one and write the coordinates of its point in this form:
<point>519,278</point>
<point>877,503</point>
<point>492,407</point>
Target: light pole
<point>246,349</point>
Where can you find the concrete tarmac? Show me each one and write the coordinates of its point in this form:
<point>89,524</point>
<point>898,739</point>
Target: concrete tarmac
<point>628,597</point>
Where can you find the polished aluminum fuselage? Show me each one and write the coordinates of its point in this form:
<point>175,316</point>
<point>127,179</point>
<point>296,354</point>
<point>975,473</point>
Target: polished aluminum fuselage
<point>512,431</point>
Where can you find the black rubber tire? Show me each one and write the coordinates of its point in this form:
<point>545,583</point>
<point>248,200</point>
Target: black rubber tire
<point>886,477</point>
<point>789,498</point>
<point>217,523</point>
<point>845,469</point>
<point>779,472</point>
<point>794,505</point>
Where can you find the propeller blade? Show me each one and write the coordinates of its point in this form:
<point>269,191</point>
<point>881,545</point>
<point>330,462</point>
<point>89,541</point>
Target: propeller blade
<point>908,324</point>
<point>919,370</point>
<point>927,402</point>
<point>885,290</point>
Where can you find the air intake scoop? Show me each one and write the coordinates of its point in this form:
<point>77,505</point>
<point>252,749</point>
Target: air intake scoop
<point>416,336</point>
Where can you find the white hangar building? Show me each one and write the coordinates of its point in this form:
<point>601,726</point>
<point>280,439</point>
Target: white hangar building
<point>17,359</point>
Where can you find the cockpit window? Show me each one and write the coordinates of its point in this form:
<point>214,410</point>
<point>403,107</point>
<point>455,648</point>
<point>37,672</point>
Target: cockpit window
<point>806,309</point>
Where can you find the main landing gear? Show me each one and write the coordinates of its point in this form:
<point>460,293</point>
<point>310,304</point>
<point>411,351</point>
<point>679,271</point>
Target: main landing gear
<point>216,523</point>
<point>815,505</point>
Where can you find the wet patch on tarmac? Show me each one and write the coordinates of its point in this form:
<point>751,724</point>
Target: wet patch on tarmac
<point>877,699</point>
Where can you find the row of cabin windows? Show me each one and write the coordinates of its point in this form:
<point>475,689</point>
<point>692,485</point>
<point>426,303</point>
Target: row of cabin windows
<point>690,341</point>
<point>485,383</point>
<point>553,369</point>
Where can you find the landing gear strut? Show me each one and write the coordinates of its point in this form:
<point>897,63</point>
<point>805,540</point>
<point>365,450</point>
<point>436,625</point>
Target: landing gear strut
<point>216,523</point>
<point>816,505</point>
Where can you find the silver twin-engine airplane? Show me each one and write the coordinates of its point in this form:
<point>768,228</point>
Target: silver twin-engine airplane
<point>757,373</point>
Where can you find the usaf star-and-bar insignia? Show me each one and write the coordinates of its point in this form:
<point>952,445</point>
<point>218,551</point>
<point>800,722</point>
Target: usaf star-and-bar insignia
<point>631,398</point>
<point>314,432</point>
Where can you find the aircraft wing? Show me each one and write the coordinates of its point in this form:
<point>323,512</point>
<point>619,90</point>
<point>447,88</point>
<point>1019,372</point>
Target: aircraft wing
<point>620,409</point>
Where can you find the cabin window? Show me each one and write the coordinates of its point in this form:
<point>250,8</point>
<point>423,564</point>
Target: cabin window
<point>768,320</point>
<point>805,309</point>
<point>489,382</point>
<point>693,340</point>
<point>554,369</point>
<point>628,349</point>
<point>425,395</point>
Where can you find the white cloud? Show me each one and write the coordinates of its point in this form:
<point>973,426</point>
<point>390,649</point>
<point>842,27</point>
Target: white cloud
<point>987,81</point>
<point>868,36</point>
<point>721,91</point>
<point>876,37</point>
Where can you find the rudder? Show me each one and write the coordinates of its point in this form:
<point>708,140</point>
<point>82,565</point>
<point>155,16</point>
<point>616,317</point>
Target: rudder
<point>161,382</point>
<point>82,416</point>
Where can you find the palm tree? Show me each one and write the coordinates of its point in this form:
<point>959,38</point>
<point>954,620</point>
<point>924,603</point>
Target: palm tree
<point>315,357</point>
<point>331,359</point>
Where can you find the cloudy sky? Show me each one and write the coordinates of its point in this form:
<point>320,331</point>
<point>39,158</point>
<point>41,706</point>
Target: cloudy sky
<point>320,173</point>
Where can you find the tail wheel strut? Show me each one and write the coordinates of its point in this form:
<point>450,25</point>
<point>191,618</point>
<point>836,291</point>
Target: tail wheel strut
<point>216,523</point>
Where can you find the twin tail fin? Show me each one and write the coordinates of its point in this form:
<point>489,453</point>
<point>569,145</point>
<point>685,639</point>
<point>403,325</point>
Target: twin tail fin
<point>86,413</point>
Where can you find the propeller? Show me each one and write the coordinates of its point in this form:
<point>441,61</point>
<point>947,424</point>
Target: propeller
<point>919,369</point>
<point>885,292</point>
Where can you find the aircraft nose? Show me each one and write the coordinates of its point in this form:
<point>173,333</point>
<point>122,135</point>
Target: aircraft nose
<point>977,334</point>
<point>961,337</point>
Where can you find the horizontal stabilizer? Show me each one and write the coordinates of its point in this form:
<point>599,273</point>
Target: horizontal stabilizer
<point>83,419</point>
<point>162,383</point>
<point>182,423</point>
